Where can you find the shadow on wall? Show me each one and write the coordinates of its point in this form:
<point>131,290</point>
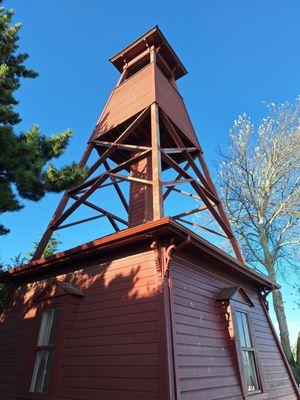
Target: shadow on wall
<point>112,340</point>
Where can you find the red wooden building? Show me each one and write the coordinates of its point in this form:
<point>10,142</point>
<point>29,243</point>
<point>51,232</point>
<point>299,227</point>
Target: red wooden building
<point>152,311</point>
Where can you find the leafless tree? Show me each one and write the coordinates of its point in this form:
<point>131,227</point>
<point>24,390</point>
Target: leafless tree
<point>259,178</point>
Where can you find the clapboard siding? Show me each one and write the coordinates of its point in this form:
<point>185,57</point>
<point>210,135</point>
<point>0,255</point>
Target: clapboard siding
<point>12,351</point>
<point>140,91</point>
<point>206,365</point>
<point>172,104</point>
<point>128,99</point>
<point>111,340</point>
<point>112,343</point>
<point>115,336</point>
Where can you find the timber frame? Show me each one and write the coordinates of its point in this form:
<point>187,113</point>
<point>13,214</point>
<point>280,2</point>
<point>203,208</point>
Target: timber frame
<point>167,146</point>
<point>203,186</point>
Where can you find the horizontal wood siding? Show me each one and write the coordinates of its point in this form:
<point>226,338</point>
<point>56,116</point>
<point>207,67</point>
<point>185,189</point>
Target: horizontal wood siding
<point>128,99</point>
<point>206,365</point>
<point>14,336</point>
<point>111,343</point>
<point>172,104</point>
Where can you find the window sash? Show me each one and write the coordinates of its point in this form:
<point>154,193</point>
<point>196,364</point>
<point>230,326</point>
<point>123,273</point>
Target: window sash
<point>41,371</point>
<point>248,356</point>
<point>48,327</point>
<point>44,351</point>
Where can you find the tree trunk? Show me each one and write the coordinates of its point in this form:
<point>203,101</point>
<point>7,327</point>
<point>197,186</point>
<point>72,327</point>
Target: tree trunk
<point>280,315</point>
<point>283,328</point>
<point>298,352</point>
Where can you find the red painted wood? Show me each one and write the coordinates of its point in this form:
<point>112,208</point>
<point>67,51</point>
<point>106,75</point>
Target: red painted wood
<point>205,353</point>
<point>141,196</point>
<point>114,347</point>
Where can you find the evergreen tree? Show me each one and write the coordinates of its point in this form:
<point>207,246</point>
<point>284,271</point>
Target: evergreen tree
<point>25,168</point>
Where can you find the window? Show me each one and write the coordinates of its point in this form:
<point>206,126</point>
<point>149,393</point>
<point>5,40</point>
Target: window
<point>236,305</point>
<point>247,350</point>
<point>44,351</point>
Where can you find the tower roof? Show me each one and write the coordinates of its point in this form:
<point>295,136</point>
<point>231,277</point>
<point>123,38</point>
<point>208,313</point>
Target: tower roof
<point>154,37</point>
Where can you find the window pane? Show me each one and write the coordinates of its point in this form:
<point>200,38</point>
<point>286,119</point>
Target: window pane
<point>248,341</point>
<point>243,329</point>
<point>41,371</point>
<point>48,327</point>
<point>240,329</point>
<point>250,370</point>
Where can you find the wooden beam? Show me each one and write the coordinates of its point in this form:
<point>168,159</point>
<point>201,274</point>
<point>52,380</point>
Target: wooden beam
<point>120,139</point>
<point>80,200</point>
<point>152,55</point>
<point>172,131</point>
<point>117,187</point>
<point>119,167</point>
<point>59,210</point>
<point>80,221</point>
<point>131,161</point>
<point>79,189</point>
<point>179,176</point>
<point>165,65</point>
<point>202,228</point>
<point>156,163</point>
<point>127,147</point>
<point>192,195</point>
<point>130,178</point>
<point>96,184</point>
<point>190,212</point>
<point>138,58</point>
<point>175,150</point>
<point>102,186</point>
<point>101,210</point>
<point>234,242</point>
<point>122,77</point>
<point>199,189</point>
<point>186,175</point>
<point>177,182</point>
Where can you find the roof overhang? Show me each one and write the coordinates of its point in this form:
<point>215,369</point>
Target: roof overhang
<point>153,37</point>
<point>165,227</point>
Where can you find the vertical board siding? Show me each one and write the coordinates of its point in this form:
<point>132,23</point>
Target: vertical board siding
<point>206,365</point>
<point>111,339</point>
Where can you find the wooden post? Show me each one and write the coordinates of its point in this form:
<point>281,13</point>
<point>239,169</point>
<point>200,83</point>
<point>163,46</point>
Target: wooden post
<point>156,163</point>
<point>156,158</point>
<point>152,55</point>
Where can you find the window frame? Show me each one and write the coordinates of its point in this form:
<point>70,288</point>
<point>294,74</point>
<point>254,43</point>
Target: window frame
<point>45,347</point>
<point>61,302</point>
<point>235,307</point>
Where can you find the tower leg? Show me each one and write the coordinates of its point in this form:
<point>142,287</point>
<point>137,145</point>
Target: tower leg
<point>48,233</point>
<point>156,164</point>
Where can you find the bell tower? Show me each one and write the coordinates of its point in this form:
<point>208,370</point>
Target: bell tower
<point>144,132</point>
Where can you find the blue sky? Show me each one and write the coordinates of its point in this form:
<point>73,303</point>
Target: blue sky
<point>238,54</point>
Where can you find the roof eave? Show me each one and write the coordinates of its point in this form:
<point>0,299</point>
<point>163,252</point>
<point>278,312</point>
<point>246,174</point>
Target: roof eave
<point>139,233</point>
<point>115,59</point>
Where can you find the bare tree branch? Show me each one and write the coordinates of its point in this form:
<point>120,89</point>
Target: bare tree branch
<point>259,178</point>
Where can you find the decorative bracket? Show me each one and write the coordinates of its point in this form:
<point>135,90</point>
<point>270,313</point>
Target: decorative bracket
<point>164,252</point>
<point>264,294</point>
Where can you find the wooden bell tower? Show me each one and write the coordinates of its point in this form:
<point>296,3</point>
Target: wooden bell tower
<point>144,130</point>
<point>154,311</point>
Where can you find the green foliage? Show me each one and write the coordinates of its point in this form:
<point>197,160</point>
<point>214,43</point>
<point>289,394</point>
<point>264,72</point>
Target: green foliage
<point>51,249</point>
<point>25,169</point>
